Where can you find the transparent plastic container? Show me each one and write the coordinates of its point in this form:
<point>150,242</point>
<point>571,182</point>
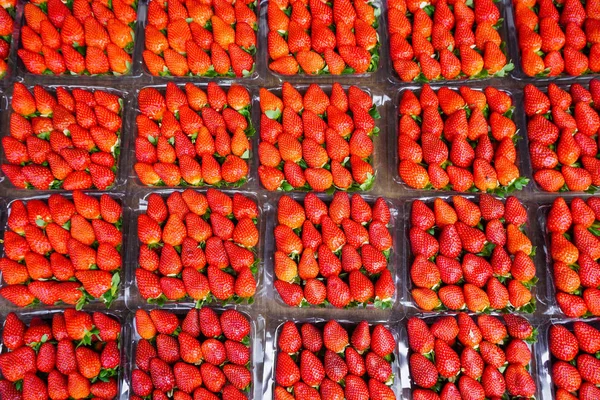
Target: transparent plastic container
<point>540,291</point>
<point>257,332</point>
<point>349,322</point>
<point>108,79</point>
<point>377,75</point>
<point>256,77</point>
<point>506,45</point>
<point>534,368</point>
<point>394,262</point>
<point>251,119</point>
<point>542,208</point>
<point>522,161</point>
<point>119,302</point>
<point>521,119</point>
<point>139,204</point>
<point>124,338</point>
<point>545,359</point>
<point>378,158</point>
<point>518,72</point>
<point>125,131</point>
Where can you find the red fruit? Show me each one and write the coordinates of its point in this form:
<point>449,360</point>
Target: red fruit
<point>423,371</point>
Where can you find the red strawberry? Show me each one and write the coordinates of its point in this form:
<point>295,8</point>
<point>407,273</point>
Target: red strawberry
<point>423,371</point>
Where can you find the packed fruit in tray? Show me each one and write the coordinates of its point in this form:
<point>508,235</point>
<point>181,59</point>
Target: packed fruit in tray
<point>65,138</point>
<point>334,361</point>
<point>201,38</point>
<point>458,356</point>
<point>557,38</point>
<point>562,128</point>
<point>574,248</point>
<point>203,355</point>
<point>461,140</point>
<point>7,14</point>
<point>197,246</point>
<point>192,136</point>
<point>73,354</point>
<point>62,249</point>
<point>78,37</point>
<point>336,254</point>
<point>315,37</point>
<point>315,141</point>
<point>574,363</point>
<point>471,256</point>
<point>446,40</point>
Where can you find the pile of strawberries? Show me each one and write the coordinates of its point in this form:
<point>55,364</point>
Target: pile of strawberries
<point>336,359</point>
<point>456,357</point>
<point>461,138</point>
<point>193,137</point>
<point>197,246</point>
<point>7,14</point>
<point>446,40</point>
<point>72,355</point>
<point>67,139</point>
<point>203,355</point>
<point>62,250</point>
<point>336,254</point>
<point>575,368</point>
<point>562,127</point>
<point>315,37</point>
<point>574,247</point>
<point>79,37</point>
<point>558,37</point>
<point>473,256</point>
<point>317,141</point>
<point>201,38</point>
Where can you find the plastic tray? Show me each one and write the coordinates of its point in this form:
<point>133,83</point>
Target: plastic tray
<point>407,384</point>
<point>541,217</point>
<point>518,72</point>
<point>12,52</point>
<point>507,40</point>
<point>120,175</point>
<point>545,359</point>
<point>394,262</point>
<point>542,210</point>
<point>379,161</point>
<point>540,291</point>
<point>252,161</point>
<point>521,119</point>
<point>138,206</point>
<point>378,75</point>
<point>119,301</point>
<point>348,322</point>
<point>106,79</point>
<point>392,146</point>
<point>255,77</point>
<point>124,339</point>
<point>257,330</point>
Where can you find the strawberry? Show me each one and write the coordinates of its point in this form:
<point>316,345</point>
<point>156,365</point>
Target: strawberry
<point>286,371</point>
<point>571,305</point>
<point>566,376</point>
<point>414,175</point>
<point>426,299</point>
<point>289,338</point>
<point>518,381</point>
<point>356,58</point>
<point>549,180</point>
<point>423,371</point>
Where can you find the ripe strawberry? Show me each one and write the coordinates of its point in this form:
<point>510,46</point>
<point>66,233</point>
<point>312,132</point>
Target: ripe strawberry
<point>426,299</point>
<point>587,337</point>
<point>423,371</point>
<point>518,381</point>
